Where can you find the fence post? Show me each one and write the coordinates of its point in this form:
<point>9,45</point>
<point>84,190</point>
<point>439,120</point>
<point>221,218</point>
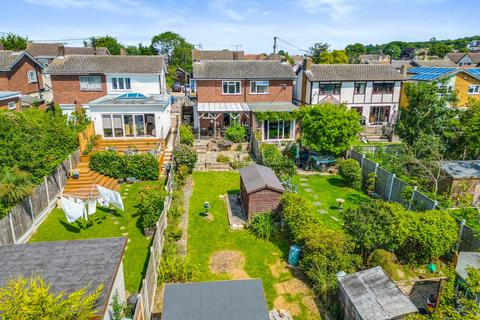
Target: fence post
<point>11,228</point>
<point>147,298</point>
<point>70,160</point>
<point>361,162</point>
<point>435,204</point>
<point>31,209</point>
<point>46,188</point>
<point>58,180</point>
<point>391,187</point>
<point>460,234</point>
<point>413,197</point>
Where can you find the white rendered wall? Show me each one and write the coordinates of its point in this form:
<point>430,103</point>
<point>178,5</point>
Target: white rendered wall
<point>119,286</point>
<point>146,84</point>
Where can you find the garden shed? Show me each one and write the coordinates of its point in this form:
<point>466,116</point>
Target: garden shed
<point>260,189</point>
<point>371,295</point>
<point>215,300</point>
<point>460,174</point>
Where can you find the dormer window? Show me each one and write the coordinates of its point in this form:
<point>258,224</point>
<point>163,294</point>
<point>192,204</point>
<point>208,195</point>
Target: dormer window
<point>121,84</point>
<point>32,76</point>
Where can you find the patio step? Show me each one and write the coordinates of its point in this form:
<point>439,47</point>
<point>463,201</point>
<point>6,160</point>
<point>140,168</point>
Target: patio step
<point>142,145</point>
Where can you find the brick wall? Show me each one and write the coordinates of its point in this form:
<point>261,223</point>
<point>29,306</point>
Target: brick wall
<point>211,91</point>
<point>4,103</point>
<point>17,79</point>
<point>66,90</point>
<point>462,82</point>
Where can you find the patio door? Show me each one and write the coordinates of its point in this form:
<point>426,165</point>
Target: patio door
<point>379,115</point>
<point>128,125</point>
<point>139,125</point>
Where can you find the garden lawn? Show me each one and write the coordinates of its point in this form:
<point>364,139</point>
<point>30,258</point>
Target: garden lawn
<point>107,223</point>
<point>262,259</point>
<point>323,191</point>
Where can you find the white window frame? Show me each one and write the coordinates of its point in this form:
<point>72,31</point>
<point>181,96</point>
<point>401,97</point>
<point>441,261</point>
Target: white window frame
<point>87,83</point>
<point>235,85</point>
<point>124,81</point>
<point>291,134</point>
<point>12,105</point>
<point>475,89</point>
<point>255,84</point>
<point>32,76</point>
<point>362,84</point>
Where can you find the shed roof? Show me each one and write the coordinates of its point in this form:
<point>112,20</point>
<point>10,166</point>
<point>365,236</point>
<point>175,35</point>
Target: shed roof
<point>353,72</point>
<point>256,177</point>
<point>215,300</point>
<point>462,169</point>
<point>375,296</point>
<point>66,265</point>
<point>242,69</point>
<point>467,259</point>
<point>88,64</point>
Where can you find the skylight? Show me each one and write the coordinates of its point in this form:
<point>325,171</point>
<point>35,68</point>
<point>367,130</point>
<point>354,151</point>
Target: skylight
<point>132,96</point>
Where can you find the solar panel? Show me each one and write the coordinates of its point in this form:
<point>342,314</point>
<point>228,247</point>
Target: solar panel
<point>429,73</point>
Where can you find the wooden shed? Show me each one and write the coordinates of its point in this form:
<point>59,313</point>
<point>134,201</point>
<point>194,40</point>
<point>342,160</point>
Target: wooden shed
<point>260,189</point>
<point>460,174</point>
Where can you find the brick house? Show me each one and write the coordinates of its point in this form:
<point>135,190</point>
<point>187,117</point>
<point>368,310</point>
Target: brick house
<point>20,72</point>
<point>231,92</point>
<point>124,96</point>
<point>373,90</point>
<point>10,100</point>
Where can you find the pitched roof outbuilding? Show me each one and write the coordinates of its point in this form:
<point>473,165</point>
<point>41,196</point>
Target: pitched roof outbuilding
<point>242,69</point>
<point>256,177</point>
<point>353,72</point>
<point>37,49</point>
<point>66,265</point>
<point>88,64</point>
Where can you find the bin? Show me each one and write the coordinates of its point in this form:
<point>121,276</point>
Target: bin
<point>294,255</point>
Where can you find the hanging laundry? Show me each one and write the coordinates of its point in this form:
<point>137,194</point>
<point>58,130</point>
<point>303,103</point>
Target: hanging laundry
<point>102,202</point>
<point>72,209</point>
<point>92,206</point>
<point>111,196</point>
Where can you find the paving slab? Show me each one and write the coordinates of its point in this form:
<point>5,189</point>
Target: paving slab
<point>317,203</point>
<point>304,184</point>
<point>303,179</point>
<point>334,218</point>
<point>322,211</point>
<point>308,190</point>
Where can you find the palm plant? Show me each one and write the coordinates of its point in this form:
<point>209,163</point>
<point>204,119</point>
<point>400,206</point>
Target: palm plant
<point>15,185</point>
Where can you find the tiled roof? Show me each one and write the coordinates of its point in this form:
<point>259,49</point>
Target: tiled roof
<point>455,56</point>
<point>66,265</point>
<point>218,55</point>
<point>9,58</point>
<point>52,50</point>
<point>434,63</point>
<point>84,64</point>
<point>242,69</point>
<point>475,57</point>
<point>352,72</point>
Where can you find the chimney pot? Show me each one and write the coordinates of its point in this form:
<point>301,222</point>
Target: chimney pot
<point>307,63</point>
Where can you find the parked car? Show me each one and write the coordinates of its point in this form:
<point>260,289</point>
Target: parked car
<point>176,87</point>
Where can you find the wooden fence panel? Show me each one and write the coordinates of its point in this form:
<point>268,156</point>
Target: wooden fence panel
<point>6,236</point>
<point>21,218</point>
<point>39,199</point>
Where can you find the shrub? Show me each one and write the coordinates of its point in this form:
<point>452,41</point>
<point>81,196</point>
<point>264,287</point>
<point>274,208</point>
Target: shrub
<point>262,225</point>
<point>174,269</point>
<point>115,165</point>
<point>181,174</point>
<point>185,154</point>
<point>384,259</point>
<point>236,133</point>
<point>223,158</point>
<point>151,205</point>
<point>351,172</point>
<point>186,135</point>
<point>280,164</point>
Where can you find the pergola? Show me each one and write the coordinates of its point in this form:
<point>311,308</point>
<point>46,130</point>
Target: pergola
<point>213,110</point>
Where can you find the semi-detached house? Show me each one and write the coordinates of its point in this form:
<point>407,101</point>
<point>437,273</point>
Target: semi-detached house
<point>124,96</point>
<point>373,90</point>
<point>230,92</point>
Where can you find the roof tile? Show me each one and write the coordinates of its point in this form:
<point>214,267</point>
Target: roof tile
<point>242,69</point>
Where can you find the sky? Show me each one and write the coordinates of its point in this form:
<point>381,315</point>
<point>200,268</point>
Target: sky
<point>252,24</point>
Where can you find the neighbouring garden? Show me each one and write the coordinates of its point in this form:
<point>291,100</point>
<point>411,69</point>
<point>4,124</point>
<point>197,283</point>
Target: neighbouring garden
<point>108,222</point>
<point>32,144</point>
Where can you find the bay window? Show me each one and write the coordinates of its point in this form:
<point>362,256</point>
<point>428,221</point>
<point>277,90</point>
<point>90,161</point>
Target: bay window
<point>231,87</point>
<point>259,87</point>
<point>278,129</point>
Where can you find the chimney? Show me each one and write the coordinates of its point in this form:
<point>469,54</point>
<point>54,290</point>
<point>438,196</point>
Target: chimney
<point>123,51</point>
<point>61,50</point>
<point>404,70</point>
<point>196,55</point>
<point>235,55</point>
<point>307,63</point>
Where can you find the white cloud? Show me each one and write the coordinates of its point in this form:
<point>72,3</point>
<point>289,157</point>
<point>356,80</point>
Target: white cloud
<point>335,8</point>
<point>225,7</point>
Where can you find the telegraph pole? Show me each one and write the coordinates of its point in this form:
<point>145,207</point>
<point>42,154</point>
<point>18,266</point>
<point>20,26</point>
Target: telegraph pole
<point>274,45</point>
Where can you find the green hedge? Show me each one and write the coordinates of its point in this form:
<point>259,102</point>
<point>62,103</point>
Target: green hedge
<point>186,155</point>
<point>120,166</point>
<point>186,135</point>
<point>152,200</point>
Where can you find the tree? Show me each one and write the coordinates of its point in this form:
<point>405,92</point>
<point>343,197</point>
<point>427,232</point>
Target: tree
<point>13,41</point>
<point>329,128</point>
<point>164,43</point>
<point>427,111</point>
<point>439,50</point>
<point>32,299</point>
<point>354,51</point>
<point>350,171</point>
<point>108,42</point>
<point>185,154</point>
<point>141,50</point>
<point>316,50</point>
<point>423,159</point>
<point>393,50</point>
<point>374,225</point>
<point>339,56</point>
<point>407,54</point>
<point>468,142</point>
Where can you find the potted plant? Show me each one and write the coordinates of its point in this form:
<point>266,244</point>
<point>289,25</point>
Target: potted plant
<point>371,184</point>
<point>75,174</point>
